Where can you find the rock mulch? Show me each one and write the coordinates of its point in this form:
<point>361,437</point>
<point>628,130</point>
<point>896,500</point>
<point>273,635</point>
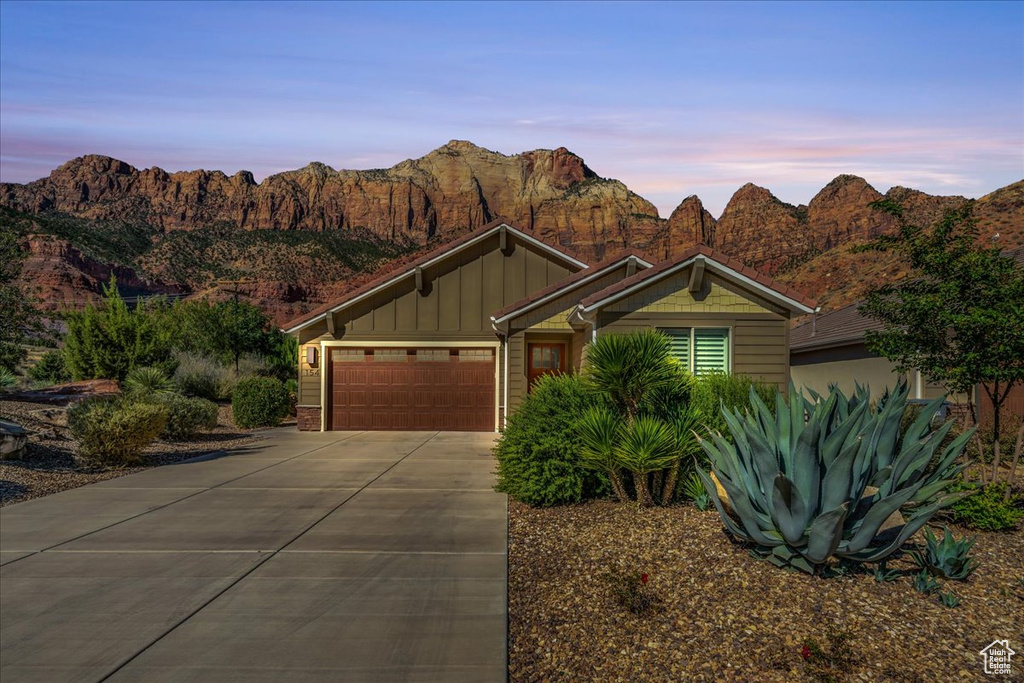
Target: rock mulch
<point>725,616</point>
<point>48,465</point>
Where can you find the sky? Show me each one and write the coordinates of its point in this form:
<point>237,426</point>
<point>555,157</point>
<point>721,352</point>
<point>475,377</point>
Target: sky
<point>673,99</point>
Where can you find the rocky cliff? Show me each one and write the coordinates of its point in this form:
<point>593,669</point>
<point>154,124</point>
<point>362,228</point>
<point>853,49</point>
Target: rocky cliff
<point>306,235</point>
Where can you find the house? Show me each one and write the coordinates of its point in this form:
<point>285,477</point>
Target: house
<point>830,349</point>
<point>453,340</point>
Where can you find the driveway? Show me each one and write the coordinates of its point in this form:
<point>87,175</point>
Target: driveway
<point>342,556</point>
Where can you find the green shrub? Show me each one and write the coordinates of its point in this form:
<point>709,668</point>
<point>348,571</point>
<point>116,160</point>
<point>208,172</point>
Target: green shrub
<point>539,451</point>
<point>186,416</point>
<point>259,402</point>
<point>987,508</point>
<point>199,376</point>
<point>108,341</point>
<point>113,432</point>
<point>710,391</point>
<point>51,368</point>
<point>145,382</point>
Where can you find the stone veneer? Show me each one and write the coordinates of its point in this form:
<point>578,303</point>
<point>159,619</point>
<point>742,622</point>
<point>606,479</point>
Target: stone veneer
<point>308,418</point>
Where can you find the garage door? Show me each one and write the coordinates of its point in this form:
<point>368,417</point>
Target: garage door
<point>412,388</point>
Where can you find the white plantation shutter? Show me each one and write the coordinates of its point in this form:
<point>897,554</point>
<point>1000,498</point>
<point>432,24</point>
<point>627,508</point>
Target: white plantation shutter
<point>710,350</point>
<point>679,345</point>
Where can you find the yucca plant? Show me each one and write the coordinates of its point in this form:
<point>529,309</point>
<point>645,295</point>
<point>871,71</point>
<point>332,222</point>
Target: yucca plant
<point>693,489</point>
<point>599,432</point>
<point>819,479</point>
<point>949,558</point>
<point>645,445</point>
<point>147,381</point>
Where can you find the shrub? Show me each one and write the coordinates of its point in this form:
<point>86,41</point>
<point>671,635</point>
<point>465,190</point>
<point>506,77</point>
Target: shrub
<point>819,479</point>
<point>51,368</point>
<point>108,341</point>
<point>8,380</point>
<point>259,402</point>
<point>950,558</point>
<point>145,382</point>
<point>713,390</point>
<point>539,451</point>
<point>986,509</point>
<point>113,432</point>
<point>198,376</point>
<point>186,416</point>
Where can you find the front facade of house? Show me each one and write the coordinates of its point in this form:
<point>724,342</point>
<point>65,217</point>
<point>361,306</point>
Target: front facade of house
<point>454,340</point>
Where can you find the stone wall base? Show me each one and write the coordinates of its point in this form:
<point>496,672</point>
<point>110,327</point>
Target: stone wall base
<point>308,418</point>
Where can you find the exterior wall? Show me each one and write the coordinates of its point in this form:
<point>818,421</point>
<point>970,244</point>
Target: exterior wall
<point>845,365</point>
<point>672,295</point>
<point>518,382</point>
<point>877,373</point>
<point>458,298</point>
<point>759,340</point>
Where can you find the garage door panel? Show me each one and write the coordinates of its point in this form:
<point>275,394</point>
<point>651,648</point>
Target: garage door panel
<point>414,389</point>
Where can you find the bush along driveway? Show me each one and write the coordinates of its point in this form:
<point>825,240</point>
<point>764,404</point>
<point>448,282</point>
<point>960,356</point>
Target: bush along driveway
<point>313,557</point>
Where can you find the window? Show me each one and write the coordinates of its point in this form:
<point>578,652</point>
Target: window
<point>701,349</point>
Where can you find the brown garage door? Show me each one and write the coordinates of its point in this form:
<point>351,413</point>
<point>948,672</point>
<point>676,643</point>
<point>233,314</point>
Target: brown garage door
<point>412,388</point>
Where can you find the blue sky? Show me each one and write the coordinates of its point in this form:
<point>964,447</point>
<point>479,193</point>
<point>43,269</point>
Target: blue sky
<point>671,98</point>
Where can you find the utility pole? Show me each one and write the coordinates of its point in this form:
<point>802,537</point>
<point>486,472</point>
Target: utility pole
<point>235,286</point>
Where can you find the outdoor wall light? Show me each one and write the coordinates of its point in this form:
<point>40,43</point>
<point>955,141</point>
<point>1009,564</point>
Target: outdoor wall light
<point>311,356</point>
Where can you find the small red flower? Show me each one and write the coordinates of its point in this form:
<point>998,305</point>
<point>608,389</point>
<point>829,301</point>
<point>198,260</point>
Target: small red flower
<point>643,578</point>
<point>805,652</point>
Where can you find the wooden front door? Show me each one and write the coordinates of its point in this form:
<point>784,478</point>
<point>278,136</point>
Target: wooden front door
<point>544,359</point>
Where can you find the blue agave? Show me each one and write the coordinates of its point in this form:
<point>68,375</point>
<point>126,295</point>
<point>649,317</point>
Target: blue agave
<point>821,478</point>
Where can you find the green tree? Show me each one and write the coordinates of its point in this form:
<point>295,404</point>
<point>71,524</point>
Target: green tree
<point>19,315</point>
<point>109,340</point>
<point>226,329</point>
<point>960,318</point>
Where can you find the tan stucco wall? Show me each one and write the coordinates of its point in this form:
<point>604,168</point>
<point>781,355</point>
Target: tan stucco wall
<point>877,373</point>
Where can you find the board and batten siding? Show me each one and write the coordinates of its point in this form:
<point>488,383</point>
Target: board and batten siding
<point>459,296</point>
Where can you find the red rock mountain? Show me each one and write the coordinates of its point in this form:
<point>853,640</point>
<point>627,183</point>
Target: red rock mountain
<point>203,217</point>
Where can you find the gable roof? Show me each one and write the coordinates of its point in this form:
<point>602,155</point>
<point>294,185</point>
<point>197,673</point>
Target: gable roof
<point>726,266</point>
<point>842,327</point>
<point>567,284</point>
<point>441,253</point>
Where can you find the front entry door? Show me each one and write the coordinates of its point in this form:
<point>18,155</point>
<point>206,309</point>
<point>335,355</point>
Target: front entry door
<point>544,359</point>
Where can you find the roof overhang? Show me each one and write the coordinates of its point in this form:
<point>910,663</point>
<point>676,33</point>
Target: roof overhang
<point>412,268</point>
<point>590,277</point>
<point>710,265</point>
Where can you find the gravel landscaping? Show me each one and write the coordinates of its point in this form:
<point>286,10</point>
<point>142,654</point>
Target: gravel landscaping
<point>722,615</point>
<point>49,465</point>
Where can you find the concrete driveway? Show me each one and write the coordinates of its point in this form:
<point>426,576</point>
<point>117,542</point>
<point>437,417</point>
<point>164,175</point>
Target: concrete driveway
<point>368,556</point>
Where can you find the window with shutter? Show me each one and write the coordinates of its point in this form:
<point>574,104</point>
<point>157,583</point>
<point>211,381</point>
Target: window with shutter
<point>679,345</point>
<point>710,350</point>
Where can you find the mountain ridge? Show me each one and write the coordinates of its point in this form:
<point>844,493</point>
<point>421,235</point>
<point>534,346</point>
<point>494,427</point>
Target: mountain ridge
<point>417,202</point>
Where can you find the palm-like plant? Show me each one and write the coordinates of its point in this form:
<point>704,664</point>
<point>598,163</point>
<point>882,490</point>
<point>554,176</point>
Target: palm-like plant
<point>145,382</point>
<point>646,445</point>
<point>631,369</point>
<point>646,426</point>
<point>599,431</point>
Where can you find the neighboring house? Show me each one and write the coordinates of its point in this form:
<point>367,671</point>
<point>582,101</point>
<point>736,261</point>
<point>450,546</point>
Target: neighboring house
<point>830,349</point>
<point>454,339</point>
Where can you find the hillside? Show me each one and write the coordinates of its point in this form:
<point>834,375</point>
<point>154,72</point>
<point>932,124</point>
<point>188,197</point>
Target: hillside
<point>305,236</point>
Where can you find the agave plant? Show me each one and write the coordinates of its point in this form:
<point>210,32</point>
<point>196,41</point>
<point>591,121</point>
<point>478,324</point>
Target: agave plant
<point>949,558</point>
<point>825,478</point>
